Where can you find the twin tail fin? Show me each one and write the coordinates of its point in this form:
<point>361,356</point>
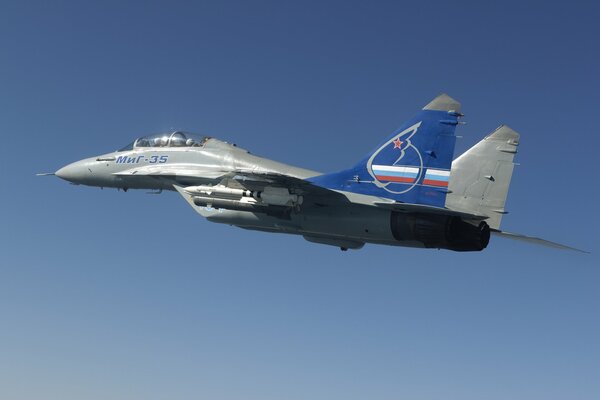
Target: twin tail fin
<point>410,166</point>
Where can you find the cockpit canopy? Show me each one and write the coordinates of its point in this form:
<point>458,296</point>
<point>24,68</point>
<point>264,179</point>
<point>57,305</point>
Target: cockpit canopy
<point>169,139</point>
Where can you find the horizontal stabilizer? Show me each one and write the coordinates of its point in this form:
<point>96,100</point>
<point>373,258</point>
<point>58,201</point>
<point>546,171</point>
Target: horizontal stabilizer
<point>535,240</point>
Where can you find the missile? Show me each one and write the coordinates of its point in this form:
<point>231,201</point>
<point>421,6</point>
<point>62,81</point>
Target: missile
<point>235,205</point>
<point>275,196</point>
<point>220,191</point>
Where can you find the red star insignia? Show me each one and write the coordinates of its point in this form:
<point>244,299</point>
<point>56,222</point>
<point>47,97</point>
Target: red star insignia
<point>397,143</point>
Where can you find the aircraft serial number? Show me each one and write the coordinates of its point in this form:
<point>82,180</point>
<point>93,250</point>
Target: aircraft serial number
<point>142,159</point>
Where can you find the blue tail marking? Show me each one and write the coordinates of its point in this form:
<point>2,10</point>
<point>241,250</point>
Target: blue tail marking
<point>411,166</point>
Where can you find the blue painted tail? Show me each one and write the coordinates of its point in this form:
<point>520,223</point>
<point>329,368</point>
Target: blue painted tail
<point>411,166</point>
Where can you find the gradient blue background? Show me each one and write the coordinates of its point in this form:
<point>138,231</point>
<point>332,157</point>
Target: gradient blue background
<point>112,295</point>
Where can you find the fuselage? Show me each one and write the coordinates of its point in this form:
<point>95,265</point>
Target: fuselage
<point>180,160</point>
<point>409,191</point>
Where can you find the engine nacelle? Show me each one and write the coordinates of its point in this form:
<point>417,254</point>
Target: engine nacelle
<point>440,231</point>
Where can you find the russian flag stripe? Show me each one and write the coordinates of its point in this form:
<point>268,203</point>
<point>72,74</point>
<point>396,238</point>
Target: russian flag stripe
<point>393,170</point>
<point>436,177</point>
<point>395,173</point>
<point>438,172</point>
<point>432,182</point>
<point>400,179</point>
<point>408,174</point>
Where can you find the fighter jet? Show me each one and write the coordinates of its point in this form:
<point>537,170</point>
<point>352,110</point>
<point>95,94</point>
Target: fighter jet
<point>407,192</point>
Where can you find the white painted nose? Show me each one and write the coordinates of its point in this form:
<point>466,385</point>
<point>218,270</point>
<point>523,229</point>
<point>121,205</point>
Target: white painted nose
<point>75,172</point>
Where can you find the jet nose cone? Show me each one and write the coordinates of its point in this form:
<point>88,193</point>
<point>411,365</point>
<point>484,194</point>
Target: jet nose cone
<point>73,172</point>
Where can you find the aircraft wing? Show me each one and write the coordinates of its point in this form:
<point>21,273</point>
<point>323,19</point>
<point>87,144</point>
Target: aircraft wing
<point>253,180</point>
<point>257,180</point>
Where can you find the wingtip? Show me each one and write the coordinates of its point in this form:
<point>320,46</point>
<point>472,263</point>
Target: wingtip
<point>443,102</point>
<point>505,132</point>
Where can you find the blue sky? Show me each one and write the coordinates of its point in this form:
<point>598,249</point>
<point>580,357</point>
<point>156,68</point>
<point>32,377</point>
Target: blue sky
<point>111,295</point>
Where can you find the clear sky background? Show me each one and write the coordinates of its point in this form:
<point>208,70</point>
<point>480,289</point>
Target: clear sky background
<point>112,295</point>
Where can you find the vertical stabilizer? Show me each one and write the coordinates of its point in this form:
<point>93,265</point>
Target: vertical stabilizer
<point>412,165</point>
<point>480,177</point>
